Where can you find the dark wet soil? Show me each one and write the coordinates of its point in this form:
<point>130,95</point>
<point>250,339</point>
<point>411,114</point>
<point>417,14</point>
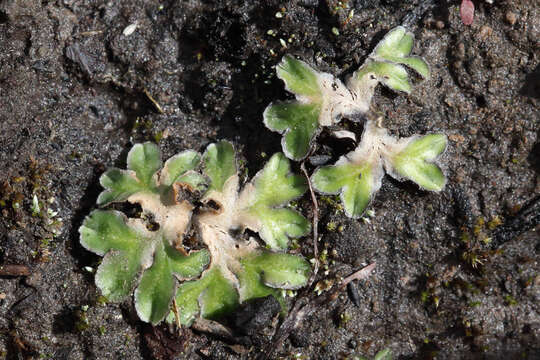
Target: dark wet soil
<point>457,273</point>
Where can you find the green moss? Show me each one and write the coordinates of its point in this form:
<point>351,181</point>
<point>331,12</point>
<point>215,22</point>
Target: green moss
<point>81,323</point>
<point>102,330</point>
<point>158,136</point>
<point>332,201</point>
<point>331,226</point>
<point>101,300</point>
<point>494,223</point>
<point>344,318</point>
<point>324,256</point>
<point>479,226</point>
<point>510,300</point>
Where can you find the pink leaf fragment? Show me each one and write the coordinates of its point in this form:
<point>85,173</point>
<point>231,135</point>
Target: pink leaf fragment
<point>466,11</point>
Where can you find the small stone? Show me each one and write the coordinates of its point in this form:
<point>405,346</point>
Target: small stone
<point>461,51</point>
<point>205,351</point>
<point>485,32</point>
<point>439,24</point>
<point>42,52</point>
<point>375,306</point>
<point>510,18</point>
<point>130,29</point>
<point>494,85</point>
<point>35,279</point>
<point>457,138</point>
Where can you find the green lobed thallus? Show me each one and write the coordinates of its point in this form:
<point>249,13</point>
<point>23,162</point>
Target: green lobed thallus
<point>149,255</point>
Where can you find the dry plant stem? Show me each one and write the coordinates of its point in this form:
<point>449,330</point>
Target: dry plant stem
<point>315,227</point>
<point>14,270</point>
<point>90,33</point>
<point>303,308</point>
<point>358,275</point>
<point>176,316</point>
<point>153,101</point>
<point>213,328</point>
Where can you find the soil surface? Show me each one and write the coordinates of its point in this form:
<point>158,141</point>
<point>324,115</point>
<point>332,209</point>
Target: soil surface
<point>457,274</point>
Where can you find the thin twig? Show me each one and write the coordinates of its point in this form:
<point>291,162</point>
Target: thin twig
<point>176,316</point>
<point>315,227</point>
<point>90,33</point>
<point>14,270</point>
<point>358,275</point>
<point>213,328</point>
<point>153,101</point>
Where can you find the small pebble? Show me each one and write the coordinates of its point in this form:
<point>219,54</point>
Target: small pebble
<point>461,51</point>
<point>485,32</point>
<point>510,18</point>
<point>439,24</point>
<point>457,138</point>
<point>130,29</point>
<point>353,294</point>
<point>317,160</point>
